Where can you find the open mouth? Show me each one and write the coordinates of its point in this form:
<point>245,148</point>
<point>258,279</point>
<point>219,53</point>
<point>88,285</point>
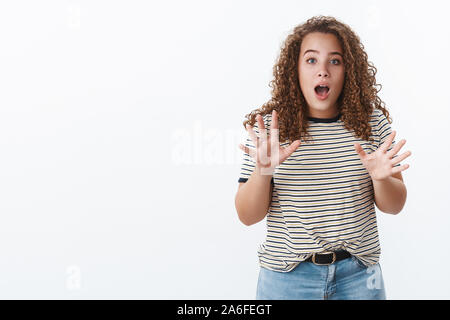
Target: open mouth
<point>322,91</point>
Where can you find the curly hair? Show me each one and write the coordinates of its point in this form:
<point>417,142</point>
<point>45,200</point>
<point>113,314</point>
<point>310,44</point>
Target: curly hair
<point>356,101</point>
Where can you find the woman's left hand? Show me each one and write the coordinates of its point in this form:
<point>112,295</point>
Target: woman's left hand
<point>380,164</point>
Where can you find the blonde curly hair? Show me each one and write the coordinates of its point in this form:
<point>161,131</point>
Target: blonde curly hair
<point>356,101</point>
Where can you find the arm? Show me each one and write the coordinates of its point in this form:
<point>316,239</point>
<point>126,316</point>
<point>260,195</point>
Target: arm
<point>390,193</point>
<point>253,198</point>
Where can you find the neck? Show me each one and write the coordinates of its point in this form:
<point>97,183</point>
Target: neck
<point>325,114</point>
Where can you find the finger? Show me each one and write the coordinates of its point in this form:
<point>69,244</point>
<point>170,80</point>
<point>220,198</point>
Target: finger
<point>250,152</point>
<point>261,128</point>
<point>263,152</point>
<point>387,143</point>
<point>252,134</point>
<point>400,158</point>
<point>262,149</point>
<point>400,168</point>
<point>287,151</point>
<point>275,147</point>
<point>274,123</point>
<point>359,150</point>
<point>274,137</point>
<point>396,148</point>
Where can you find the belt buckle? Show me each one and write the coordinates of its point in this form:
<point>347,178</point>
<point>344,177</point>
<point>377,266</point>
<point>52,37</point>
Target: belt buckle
<point>323,264</point>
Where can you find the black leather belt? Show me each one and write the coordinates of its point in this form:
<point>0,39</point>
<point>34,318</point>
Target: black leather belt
<point>323,259</point>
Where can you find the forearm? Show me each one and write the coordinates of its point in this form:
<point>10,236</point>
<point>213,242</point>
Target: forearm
<point>390,194</point>
<point>253,199</point>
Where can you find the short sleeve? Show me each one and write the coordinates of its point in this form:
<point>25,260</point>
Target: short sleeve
<point>247,163</point>
<point>384,130</point>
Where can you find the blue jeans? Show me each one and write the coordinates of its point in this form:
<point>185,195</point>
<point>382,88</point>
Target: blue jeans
<point>347,279</point>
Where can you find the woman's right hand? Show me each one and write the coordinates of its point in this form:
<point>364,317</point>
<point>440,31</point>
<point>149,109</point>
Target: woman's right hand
<point>264,158</point>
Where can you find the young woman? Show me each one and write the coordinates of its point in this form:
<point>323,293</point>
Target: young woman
<point>318,188</point>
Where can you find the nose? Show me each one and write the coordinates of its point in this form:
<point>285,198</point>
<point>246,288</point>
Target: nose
<point>323,73</point>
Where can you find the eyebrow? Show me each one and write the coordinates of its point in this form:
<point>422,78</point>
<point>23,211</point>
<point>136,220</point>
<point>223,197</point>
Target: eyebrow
<point>330,54</point>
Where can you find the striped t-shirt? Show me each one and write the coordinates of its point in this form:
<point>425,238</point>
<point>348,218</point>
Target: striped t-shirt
<point>323,197</point>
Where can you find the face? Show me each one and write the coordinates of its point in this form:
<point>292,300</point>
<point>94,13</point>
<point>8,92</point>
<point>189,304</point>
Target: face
<point>321,62</point>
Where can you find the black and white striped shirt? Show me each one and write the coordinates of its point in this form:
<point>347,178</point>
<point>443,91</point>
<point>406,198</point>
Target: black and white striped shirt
<point>323,198</point>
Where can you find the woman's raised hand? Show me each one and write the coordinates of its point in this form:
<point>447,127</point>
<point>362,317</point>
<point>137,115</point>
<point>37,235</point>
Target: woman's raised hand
<point>268,154</point>
<point>381,164</point>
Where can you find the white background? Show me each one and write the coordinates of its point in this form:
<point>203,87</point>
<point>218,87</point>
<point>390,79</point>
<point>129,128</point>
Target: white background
<point>119,127</point>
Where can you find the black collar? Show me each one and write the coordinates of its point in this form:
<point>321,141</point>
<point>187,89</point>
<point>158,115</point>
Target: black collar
<point>325,120</point>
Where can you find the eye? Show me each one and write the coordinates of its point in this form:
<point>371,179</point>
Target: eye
<point>337,61</point>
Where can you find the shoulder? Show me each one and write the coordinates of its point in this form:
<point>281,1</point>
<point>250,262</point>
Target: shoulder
<point>377,114</point>
<point>378,121</point>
